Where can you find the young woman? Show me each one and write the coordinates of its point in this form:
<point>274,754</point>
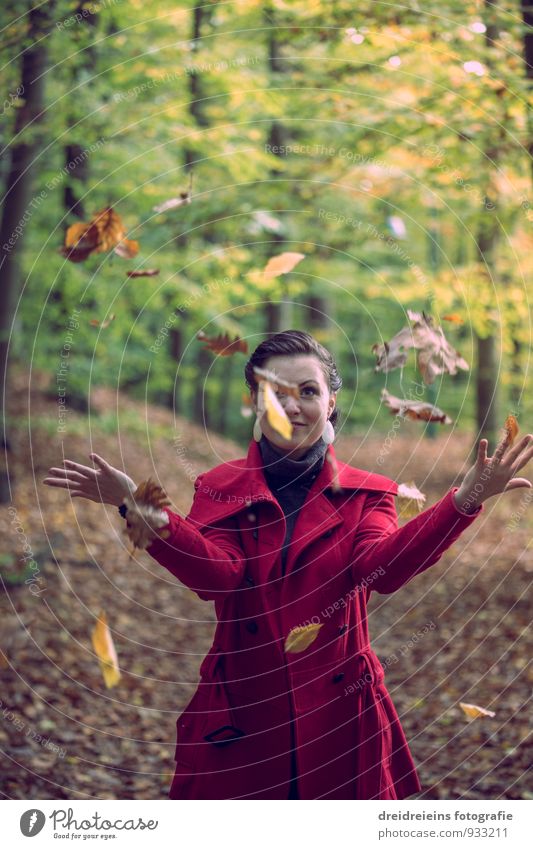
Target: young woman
<point>280,541</point>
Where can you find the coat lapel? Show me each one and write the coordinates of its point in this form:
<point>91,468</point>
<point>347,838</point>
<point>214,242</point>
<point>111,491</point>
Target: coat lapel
<point>238,484</point>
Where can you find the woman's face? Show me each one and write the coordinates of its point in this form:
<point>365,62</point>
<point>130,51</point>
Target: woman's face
<point>309,414</point>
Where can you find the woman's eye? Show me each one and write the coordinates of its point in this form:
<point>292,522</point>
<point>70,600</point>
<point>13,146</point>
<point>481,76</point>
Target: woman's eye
<point>309,389</point>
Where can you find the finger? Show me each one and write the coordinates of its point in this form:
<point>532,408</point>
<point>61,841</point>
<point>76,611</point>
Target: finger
<point>99,461</point>
<point>65,473</point>
<point>482,451</point>
<point>63,483</point>
<point>516,483</point>
<point>79,467</point>
<point>520,446</point>
<point>522,460</point>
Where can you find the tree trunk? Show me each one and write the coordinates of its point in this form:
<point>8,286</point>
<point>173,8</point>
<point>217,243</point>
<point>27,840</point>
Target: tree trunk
<point>278,314</point>
<point>18,204</point>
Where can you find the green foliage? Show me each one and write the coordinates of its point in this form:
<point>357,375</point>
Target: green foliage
<point>378,117</point>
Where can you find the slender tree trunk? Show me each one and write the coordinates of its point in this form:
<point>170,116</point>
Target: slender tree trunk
<point>18,205</point>
<point>278,314</point>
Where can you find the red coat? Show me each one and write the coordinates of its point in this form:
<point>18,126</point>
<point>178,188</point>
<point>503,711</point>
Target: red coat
<point>235,735</point>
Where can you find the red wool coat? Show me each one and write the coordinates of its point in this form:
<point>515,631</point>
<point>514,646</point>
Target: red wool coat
<point>254,701</point>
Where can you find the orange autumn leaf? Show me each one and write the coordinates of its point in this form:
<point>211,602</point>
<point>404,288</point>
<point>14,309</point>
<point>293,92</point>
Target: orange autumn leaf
<point>80,241</point>
<point>418,410</point>
<point>302,637</point>
<point>222,345</point>
<point>105,651</point>
<point>104,232</point>
<point>454,317</point>
<point>511,430</point>
<point>146,518</point>
<point>281,264</point>
<point>474,711</point>
<point>96,323</point>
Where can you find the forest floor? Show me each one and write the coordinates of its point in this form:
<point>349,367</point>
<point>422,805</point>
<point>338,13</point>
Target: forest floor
<point>458,633</point>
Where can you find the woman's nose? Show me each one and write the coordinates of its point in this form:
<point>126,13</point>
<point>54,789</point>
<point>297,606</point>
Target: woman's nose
<point>291,405</point>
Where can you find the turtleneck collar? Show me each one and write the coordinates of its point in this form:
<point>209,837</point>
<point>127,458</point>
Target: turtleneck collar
<point>281,469</point>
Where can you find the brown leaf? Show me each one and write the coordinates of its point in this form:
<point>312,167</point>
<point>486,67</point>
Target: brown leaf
<point>145,517</point>
<point>127,248</point>
<point>222,345</point>
<point>454,317</point>
<point>420,410</point>
<point>435,354</point>
<point>148,272</point>
<point>96,323</point>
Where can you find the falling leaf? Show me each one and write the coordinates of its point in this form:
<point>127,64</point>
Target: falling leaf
<point>281,264</point>
<point>276,415</point>
<point>455,317</point>
<point>272,377</point>
<point>301,637</point>
<point>410,500</point>
<point>511,429</point>
<point>222,344</point>
<point>435,355</point>
<point>104,232</point>
<point>127,248</point>
<point>95,323</point>
<point>173,203</point>
<point>80,241</point>
<point>105,651</point>
<point>474,711</point>
<point>145,517</point>
<point>414,409</point>
<point>148,272</point>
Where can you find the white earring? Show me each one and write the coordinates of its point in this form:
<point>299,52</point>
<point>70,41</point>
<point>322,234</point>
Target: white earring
<point>328,434</point>
<point>258,433</point>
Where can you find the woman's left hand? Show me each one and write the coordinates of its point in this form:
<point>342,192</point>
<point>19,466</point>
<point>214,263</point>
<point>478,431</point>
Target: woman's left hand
<point>493,475</point>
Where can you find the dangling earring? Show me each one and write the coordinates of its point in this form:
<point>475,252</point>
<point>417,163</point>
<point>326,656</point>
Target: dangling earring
<point>258,433</point>
<point>328,434</point>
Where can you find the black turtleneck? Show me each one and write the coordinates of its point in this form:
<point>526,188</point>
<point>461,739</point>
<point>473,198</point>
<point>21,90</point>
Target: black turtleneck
<point>290,480</point>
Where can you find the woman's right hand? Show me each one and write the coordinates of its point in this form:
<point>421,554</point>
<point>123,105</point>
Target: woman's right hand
<point>105,485</point>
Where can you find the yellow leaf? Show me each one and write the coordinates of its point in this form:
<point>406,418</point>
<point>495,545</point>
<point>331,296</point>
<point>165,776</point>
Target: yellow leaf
<point>474,711</point>
<point>410,500</point>
<point>301,637</point>
<point>281,264</point>
<point>276,415</point>
<point>106,652</point>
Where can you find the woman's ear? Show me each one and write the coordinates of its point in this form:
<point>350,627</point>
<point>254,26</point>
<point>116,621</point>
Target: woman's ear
<point>332,402</point>
<point>253,396</point>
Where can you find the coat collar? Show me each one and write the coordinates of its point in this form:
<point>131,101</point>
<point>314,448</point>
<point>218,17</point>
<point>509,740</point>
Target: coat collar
<point>237,484</point>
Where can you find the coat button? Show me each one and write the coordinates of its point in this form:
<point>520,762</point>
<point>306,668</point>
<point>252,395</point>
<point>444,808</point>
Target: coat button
<point>249,580</point>
<point>343,629</point>
<point>252,627</point>
<point>338,677</point>
<point>251,517</point>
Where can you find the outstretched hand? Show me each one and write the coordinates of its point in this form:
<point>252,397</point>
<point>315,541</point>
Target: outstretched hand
<point>493,475</point>
<point>105,484</point>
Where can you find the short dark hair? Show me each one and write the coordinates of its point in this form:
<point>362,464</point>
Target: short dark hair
<point>294,342</point>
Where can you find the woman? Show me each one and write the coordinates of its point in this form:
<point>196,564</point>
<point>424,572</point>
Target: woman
<point>277,545</point>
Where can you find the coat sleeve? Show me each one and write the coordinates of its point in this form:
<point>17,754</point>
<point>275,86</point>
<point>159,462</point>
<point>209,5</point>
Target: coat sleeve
<point>210,562</point>
<point>385,557</point>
